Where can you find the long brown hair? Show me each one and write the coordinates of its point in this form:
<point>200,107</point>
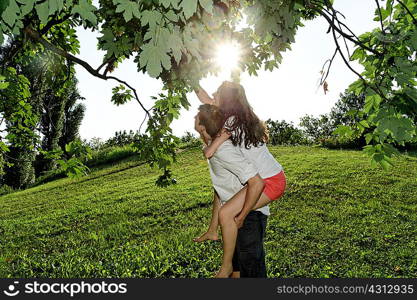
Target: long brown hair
<point>246,124</point>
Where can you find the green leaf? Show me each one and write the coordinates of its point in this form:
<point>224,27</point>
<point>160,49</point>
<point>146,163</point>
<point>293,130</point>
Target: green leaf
<point>4,85</point>
<point>368,137</point>
<point>43,12</point>
<point>53,6</point>
<point>151,17</point>
<point>172,16</point>
<point>401,129</point>
<point>386,163</point>
<point>372,101</point>
<point>152,57</point>
<point>175,44</point>
<point>3,5</point>
<point>357,87</point>
<point>129,9</point>
<point>189,7</point>
<point>364,123</point>
<point>413,40</point>
<point>109,44</point>
<point>86,11</point>
<point>412,93</point>
<point>121,95</point>
<point>343,131</point>
<point>207,5</point>
<point>10,14</point>
<point>167,3</point>
<point>27,6</point>
<point>3,147</point>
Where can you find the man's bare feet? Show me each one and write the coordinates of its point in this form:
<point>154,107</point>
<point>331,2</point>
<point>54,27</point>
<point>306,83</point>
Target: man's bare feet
<point>224,272</point>
<point>209,235</point>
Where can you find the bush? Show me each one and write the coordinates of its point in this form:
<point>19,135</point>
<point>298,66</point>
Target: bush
<point>317,129</point>
<point>6,189</point>
<point>49,176</point>
<point>122,138</point>
<point>338,143</point>
<point>95,143</point>
<point>110,155</point>
<point>283,133</point>
<point>189,140</point>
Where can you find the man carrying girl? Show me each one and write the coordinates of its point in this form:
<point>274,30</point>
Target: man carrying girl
<point>236,145</point>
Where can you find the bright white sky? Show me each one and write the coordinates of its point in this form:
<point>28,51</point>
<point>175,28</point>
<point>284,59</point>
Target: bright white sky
<point>287,93</point>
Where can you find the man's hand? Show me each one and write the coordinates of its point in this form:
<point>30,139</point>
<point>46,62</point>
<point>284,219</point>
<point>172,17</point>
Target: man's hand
<point>205,137</point>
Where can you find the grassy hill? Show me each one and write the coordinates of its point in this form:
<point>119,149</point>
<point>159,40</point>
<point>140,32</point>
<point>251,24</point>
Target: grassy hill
<point>340,217</point>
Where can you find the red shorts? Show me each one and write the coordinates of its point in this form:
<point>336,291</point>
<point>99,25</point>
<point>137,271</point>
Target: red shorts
<point>275,186</point>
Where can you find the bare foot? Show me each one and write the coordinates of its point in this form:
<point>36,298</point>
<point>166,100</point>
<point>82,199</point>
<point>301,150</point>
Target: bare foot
<point>207,236</point>
<point>224,272</point>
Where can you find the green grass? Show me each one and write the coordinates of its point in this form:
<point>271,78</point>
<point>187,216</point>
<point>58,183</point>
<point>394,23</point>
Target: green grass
<point>340,217</point>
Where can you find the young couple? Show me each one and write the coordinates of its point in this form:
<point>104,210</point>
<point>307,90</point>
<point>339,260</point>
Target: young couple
<point>245,177</point>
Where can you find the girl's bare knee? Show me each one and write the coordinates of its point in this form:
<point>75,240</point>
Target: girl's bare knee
<point>224,216</point>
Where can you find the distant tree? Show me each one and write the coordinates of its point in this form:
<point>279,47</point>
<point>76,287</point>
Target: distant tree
<point>188,137</point>
<point>50,82</point>
<point>317,129</point>
<point>20,121</point>
<point>95,143</point>
<point>19,109</point>
<point>283,133</point>
<point>347,110</point>
<point>52,120</point>
<point>190,140</point>
<point>73,114</point>
<point>122,138</point>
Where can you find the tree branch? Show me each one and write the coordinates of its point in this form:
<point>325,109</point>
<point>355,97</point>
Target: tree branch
<point>35,36</point>
<point>54,22</point>
<point>376,89</point>
<point>326,74</point>
<point>380,17</point>
<point>341,32</point>
<point>408,11</point>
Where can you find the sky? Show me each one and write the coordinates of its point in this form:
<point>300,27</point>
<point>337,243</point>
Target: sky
<point>287,93</point>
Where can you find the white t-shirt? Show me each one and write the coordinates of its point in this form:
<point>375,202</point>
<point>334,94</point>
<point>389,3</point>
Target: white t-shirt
<point>229,171</point>
<point>260,156</point>
<point>262,159</point>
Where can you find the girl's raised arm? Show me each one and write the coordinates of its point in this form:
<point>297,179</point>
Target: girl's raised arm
<point>215,144</point>
<point>203,96</point>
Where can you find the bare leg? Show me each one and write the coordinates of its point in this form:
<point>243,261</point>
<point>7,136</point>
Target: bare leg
<point>211,233</point>
<point>235,275</point>
<point>229,228</point>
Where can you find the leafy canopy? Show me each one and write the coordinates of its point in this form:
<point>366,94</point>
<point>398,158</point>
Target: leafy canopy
<point>173,40</point>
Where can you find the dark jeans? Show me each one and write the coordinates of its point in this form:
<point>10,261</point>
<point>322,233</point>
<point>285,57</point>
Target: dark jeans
<point>249,256</point>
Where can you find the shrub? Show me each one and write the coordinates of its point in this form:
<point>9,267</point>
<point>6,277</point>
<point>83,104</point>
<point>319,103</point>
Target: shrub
<point>189,140</point>
<point>110,155</point>
<point>339,143</point>
<point>283,133</point>
<point>6,189</point>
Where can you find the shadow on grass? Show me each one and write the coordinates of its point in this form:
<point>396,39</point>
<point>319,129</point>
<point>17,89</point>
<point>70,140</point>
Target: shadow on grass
<point>412,153</point>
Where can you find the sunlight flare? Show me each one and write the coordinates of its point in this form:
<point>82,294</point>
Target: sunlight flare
<point>227,57</point>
